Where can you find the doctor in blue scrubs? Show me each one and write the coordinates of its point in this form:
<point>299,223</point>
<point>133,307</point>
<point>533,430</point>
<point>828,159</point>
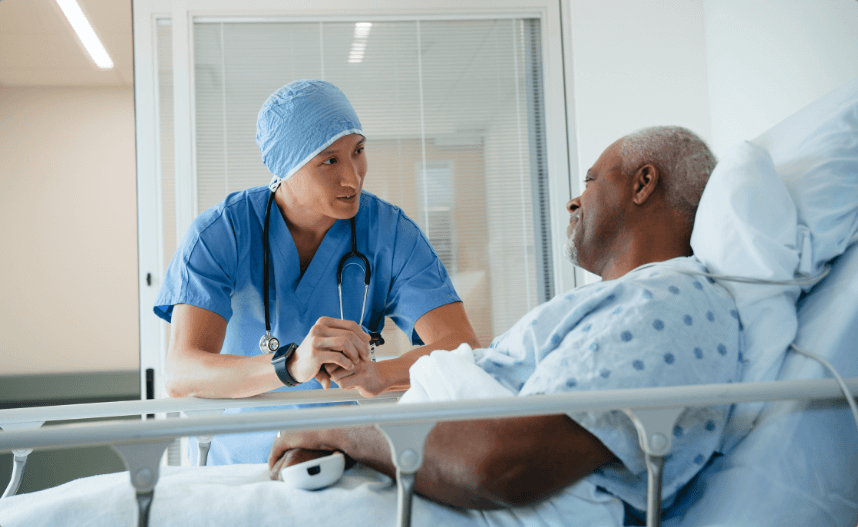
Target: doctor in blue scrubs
<point>312,142</point>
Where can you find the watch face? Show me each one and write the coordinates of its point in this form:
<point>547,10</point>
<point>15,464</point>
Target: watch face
<point>282,353</point>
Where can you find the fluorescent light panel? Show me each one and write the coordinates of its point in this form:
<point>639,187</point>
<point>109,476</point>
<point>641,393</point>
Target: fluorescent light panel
<point>74,14</point>
<point>359,42</point>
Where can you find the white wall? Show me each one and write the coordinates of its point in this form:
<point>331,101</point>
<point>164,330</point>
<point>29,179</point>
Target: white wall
<point>726,69</point>
<point>769,58</point>
<point>68,243</point>
<point>635,64</point>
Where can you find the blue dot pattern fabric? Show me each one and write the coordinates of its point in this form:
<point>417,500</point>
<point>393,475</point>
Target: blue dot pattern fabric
<point>662,336</point>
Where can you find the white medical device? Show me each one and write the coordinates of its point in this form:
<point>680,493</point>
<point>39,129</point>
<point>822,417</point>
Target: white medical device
<point>316,473</point>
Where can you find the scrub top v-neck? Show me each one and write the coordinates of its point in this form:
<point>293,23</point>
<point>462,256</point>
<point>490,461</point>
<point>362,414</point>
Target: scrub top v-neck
<point>219,267</point>
<point>287,263</point>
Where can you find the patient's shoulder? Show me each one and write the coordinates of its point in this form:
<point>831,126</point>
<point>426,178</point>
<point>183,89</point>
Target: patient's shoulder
<point>684,279</point>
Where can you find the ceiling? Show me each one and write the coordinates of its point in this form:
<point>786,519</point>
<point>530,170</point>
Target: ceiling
<point>39,48</point>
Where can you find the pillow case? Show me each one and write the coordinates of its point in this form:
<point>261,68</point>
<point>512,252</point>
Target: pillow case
<point>746,225</point>
<point>815,151</point>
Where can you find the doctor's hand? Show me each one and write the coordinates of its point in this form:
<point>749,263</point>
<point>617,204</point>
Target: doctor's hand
<point>331,341</point>
<point>366,377</point>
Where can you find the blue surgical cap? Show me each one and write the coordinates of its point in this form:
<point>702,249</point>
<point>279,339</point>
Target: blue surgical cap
<point>300,120</point>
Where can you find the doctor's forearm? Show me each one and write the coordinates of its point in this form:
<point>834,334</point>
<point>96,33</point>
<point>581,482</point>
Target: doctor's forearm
<point>196,368</point>
<point>196,373</point>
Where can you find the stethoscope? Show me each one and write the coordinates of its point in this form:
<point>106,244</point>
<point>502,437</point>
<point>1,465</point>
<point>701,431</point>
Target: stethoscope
<point>269,343</point>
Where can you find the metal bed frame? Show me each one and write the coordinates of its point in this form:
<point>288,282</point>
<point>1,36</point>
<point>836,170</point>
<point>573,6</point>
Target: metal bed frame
<point>141,444</point>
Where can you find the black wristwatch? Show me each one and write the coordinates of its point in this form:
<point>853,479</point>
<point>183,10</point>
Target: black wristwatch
<point>279,362</point>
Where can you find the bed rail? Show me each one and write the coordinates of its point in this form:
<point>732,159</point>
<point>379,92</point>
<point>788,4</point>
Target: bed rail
<point>136,438</point>
<point>42,414</point>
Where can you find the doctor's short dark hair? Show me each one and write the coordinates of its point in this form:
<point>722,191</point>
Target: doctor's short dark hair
<point>681,156</point>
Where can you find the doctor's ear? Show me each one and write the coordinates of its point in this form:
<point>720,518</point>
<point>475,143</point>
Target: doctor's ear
<point>645,181</point>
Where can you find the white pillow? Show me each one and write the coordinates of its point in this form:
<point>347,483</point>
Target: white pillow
<point>746,226</point>
<point>816,153</point>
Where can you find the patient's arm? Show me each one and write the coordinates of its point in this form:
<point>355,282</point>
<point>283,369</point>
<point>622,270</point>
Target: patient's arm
<point>482,464</point>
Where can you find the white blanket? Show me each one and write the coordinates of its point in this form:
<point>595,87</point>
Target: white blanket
<point>232,495</point>
<point>243,495</point>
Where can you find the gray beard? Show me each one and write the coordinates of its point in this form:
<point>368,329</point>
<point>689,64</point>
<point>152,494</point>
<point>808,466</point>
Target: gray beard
<point>570,249</point>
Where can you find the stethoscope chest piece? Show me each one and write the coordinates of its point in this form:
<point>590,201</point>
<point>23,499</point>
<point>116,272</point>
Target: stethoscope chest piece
<point>268,344</point>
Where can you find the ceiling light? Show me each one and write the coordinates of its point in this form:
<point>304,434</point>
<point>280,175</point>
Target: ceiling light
<point>362,29</point>
<point>85,33</point>
<point>359,40</point>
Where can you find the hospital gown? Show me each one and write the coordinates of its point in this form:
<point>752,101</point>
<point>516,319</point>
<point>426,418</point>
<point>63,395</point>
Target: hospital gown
<point>652,327</point>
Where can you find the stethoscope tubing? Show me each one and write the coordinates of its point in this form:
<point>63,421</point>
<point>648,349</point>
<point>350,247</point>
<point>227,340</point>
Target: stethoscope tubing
<point>265,262</point>
<point>367,273</point>
<point>353,253</point>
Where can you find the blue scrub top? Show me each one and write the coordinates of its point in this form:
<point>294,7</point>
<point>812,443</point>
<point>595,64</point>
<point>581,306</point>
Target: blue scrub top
<point>218,267</point>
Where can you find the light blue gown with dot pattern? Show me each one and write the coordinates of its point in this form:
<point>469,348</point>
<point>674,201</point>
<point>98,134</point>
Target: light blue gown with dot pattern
<point>652,327</point>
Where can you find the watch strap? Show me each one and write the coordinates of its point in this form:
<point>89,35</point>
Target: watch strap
<point>279,362</point>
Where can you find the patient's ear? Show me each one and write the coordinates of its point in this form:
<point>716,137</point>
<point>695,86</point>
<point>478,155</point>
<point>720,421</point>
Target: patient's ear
<point>645,182</point>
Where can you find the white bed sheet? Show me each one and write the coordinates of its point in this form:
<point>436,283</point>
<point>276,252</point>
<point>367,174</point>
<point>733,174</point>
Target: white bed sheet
<point>223,495</point>
<point>235,495</point>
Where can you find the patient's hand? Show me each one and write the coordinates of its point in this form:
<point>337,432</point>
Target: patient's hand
<point>293,457</point>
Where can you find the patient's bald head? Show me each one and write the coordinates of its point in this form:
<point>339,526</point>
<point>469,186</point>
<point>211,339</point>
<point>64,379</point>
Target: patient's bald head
<point>639,201</point>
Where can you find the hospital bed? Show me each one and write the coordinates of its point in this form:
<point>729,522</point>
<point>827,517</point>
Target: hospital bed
<point>798,465</point>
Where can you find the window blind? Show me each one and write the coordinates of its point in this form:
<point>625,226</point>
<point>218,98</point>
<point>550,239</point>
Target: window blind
<point>453,114</point>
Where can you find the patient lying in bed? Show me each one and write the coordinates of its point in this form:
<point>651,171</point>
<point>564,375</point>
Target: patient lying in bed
<point>637,328</point>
